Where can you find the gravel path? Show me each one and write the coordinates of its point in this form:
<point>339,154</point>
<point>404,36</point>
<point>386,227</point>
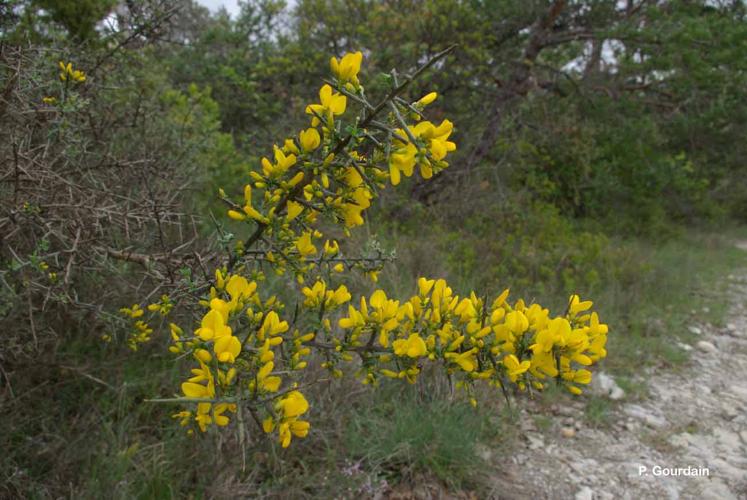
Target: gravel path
<point>695,417</point>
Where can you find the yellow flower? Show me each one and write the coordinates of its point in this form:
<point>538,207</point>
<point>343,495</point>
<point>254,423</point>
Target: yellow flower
<point>309,139</point>
<point>223,307</point>
<point>330,105</point>
<point>318,294</point>
<point>218,410</point>
<point>233,214</point>
<point>227,348</point>
<point>282,163</point>
<point>576,305</point>
<point>339,296</point>
<point>163,307</point>
<point>304,245</point>
<point>133,312</point>
<point>248,208</point>
<point>346,70</point>
<point>361,199</point>
<point>240,290</point>
<point>299,428</point>
<point>203,355</point>
<point>331,248</point>
<point>517,322</point>
<point>356,318</point>
<point>79,76</point>
<point>290,147</point>
<point>402,160</point>
<point>293,405</point>
<point>427,99</point>
<point>183,416</point>
<point>466,360</point>
<point>66,68</point>
<point>515,368</point>
<point>267,382</point>
<point>213,326</point>
<point>425,286</point>
<point>384,313</point>
<point>315,294</point>
<point>597,333</point>
<point>294,210</point>
<point>200,374</point>
<point>406,155</point>
<point>413,346</point>
<point>289,409</point>
<point>67,71</point>
<point>272,326</point>
<point>556,332</point>
<point>438,138</point>
<point>196,390</point>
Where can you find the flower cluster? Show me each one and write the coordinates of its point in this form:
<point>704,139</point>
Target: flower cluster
<point>140,326</point>
<point>67,73</point>
<point>250,350</point>
<point>69,78</point>
<point>497,343</point>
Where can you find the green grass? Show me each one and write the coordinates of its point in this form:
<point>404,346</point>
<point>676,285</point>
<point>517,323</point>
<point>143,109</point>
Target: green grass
<point>68,434</point>
<point>598,411</point>
<point>406,435</point>
<point>682,283</point>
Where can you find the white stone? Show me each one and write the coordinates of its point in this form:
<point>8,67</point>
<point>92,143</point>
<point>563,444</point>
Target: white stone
<point>585,493</point>
<point>729,411</point>
<point>679,440</point>
<point>535,442</point>
<point>617,394</point>
<point>694,329</point>
<point>655,422</point>
<point>567,411</point>
<point>739,391</point>
<point>649,419</point>
<point>605,385</point>
<point>631,426</point>
<point>729,440</point>
<point>706,346</point>
<point>685,347</point>
<point>604,382</point>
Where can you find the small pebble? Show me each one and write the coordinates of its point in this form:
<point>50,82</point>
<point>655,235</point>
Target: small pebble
<point>584,493</point>
<point>568,432</point>
<point>685,347</point>
<point>617,394</point>
<point>706,346</point>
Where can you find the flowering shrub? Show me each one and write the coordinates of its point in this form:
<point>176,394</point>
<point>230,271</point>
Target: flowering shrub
<point>249,349</point>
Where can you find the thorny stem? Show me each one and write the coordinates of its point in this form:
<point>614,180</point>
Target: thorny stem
<point>369,117</point>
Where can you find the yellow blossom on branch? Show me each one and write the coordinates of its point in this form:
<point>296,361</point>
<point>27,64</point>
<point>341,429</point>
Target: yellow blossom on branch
<point>250,347</point>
